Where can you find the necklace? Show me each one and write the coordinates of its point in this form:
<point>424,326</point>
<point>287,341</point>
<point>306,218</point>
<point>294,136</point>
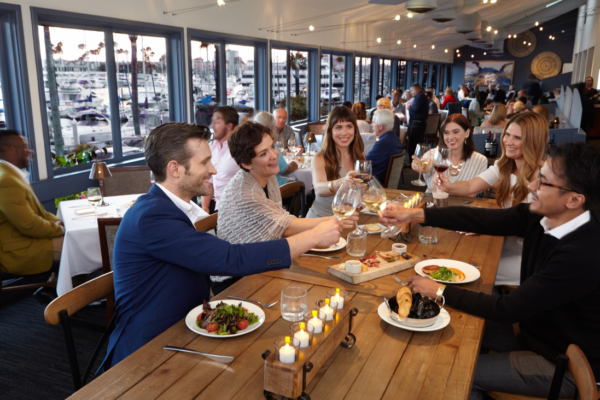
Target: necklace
<point>454,170</point>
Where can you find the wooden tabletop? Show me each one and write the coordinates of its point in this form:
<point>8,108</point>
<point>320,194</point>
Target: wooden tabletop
<point>386,362</point>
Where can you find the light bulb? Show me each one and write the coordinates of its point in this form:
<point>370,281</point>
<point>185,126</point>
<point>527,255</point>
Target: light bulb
<point>397,18</point>
<point>415,46</point>
<point>529,44</point>
<point>220,2</point>
<point>509,36</point>
<point>489,28</point>
<point>524,42</point>
<point>409,15</point>
<point>457,50</point>
<point>378,40</point>
<point>541,28</point>
<point>399,41</point>
<point>311,28</point>
<point>472,55</point>
<point>446,50</point>
<point>536,23</point>
<point>515,36</point>
<point>485,1</point>
<point>550,36</point>
<point>484,53</point>
<point>433,46</point>
<point>458,55</point>
<point>493,1</point>
<point>496,32</point>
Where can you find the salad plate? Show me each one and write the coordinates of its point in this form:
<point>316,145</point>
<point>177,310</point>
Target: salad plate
<point>471,273</point>
<point>190,319</point>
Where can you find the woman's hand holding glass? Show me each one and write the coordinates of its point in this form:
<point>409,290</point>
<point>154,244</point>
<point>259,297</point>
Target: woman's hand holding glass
<point>348,222</point>
<point>442,182</point>
<point>394,214</point>
<point>422,165</point>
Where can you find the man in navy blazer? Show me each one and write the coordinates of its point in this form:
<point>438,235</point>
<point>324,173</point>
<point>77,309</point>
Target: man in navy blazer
<point>387,143</point>
<point>161,263</point>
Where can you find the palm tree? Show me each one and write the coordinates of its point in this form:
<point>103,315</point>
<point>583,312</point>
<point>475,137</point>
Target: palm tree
<point>55,115</point>
<point>134,91</point>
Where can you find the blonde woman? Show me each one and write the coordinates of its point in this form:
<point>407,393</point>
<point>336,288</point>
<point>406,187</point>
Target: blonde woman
<point>385,104</point>
<point>518,107</point>
<point>523,150</point>
<point>497,118</point>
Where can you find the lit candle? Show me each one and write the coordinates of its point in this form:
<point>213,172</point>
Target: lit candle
<point>287,353</point>
<point>302,336</point>
<point>328,311</point>
<point>316,322</point>
<point>338,299</point>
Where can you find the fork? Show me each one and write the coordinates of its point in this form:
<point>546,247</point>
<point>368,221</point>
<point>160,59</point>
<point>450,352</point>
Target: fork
<point>400,281</point>
<point>326,257</point>
<point>214,357</point>
<point>264,305</point>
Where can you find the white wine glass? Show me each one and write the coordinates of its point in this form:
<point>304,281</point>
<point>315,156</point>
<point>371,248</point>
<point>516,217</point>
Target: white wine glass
<point>374,195</point>
<point>293,146</point>
<point>346,200</point>
<point>422,161</point>
<point>94,197</point>
<point>392,230</point>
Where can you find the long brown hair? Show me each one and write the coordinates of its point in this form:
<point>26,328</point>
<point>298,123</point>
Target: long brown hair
<point>463,122</point>
<point>534,132</point>
<point>359,110</point>
<point>328,149</point>
<point>498,114</point>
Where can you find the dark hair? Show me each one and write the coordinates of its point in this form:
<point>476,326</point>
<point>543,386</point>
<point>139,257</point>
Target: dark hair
<point>523,99</point>
<point>5,139</point>
<point>168,142</point>
<point>359,110</point>
<point>463,122</point>
<point>378,97</point>
<point>347,104</point>
<point>229,115</point>
<point>416,86</point>
<point>328,149</point>
<point>578,165</point>
<point>481,96</point>
<point>244,139</point>
<point>398,91</point>
<point>543,100</point>
<point>428,94</point>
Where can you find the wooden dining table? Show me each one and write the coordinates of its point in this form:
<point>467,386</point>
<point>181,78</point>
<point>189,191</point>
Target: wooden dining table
<point>386,362</point>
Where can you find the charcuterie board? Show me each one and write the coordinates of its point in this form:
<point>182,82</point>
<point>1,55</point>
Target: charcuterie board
<point>385,268</point>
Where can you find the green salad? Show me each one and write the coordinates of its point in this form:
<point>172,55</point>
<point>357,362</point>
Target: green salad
<point>225,319</point>
<point>444,274</point>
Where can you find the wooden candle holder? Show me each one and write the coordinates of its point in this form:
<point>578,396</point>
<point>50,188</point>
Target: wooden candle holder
<point>290,380</point>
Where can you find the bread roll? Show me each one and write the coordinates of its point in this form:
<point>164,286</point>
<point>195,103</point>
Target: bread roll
<point>404,298</point>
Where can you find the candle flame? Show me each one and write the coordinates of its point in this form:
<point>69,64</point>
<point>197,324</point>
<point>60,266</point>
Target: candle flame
<point>302,325</point>
<point>337,290</point>
<point>326,301</point>
<point>314,313</point>
<point>287,339</point>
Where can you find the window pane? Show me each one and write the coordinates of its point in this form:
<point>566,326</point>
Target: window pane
<point>425,75</point>
<point>206,83</point>
<point>449,76</point>
<point>366,82</point>
<point>415,73</point>
<point>401,79</point>
<point>338,80</point>
<point>357,83</point>
<point>387,78</point>
<point>298,85</point>
<point>143,87</point>
<point>240,77</point>
<point>380,78</point>
<point>434,77</point>
<point>279,79</point>
<point>325,87</point>
<point>76,92</point>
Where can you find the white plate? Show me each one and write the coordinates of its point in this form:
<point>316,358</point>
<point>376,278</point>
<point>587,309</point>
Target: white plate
<point>382,228</point>
<point>339,245</point>
<point>471,273</point>
<point>190,319</point>
<point>442,321</point>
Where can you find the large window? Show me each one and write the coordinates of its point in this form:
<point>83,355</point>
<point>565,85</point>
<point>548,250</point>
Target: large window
<point>362,80</point>
<point>434,76</point>
<point>292,85</point>
<point>401,75</point>
<point>240,77</point>
<point>332,82</point>
<point>385,78</point>
<point>449,75</point>
<point>415,73</point>
<point>425,76</point>
<point>206,80</point>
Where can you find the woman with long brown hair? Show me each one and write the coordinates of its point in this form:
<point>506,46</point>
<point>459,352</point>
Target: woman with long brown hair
<point>342,147</point>
<point>497,119</point>
<point>361,117</point>
<point>523,144</point>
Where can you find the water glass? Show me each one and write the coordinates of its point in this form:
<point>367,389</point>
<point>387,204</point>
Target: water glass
<point>428,234</point>
<point>294,303</point>
<point>440,198</point>
<point>357,243</point>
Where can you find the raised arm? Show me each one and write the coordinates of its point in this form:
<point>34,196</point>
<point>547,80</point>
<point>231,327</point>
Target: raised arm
<point>462,188</point>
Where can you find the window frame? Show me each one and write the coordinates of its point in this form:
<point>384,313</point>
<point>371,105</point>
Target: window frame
<point>380,82</point>
<point>373,74</point>
<point>175,65</point>
<point>332,54</point>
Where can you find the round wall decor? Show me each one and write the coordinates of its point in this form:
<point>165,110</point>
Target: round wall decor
<point>523,45</point>
<point>546,64</point>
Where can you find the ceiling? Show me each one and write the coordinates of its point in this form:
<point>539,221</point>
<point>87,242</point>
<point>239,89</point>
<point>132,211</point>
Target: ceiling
<point>355,25</point>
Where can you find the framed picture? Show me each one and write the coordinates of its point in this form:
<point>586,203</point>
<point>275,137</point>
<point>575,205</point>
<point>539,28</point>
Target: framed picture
<point>489,72</point>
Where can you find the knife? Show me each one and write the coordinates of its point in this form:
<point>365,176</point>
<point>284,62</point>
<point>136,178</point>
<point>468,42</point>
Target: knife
<point>221,359</point>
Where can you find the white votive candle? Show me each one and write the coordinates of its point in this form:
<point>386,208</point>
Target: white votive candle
<point>328,311</point>
<point>302,336</point>
<point>316,323</point>
<point>338,299</point>
<point>287,353</point>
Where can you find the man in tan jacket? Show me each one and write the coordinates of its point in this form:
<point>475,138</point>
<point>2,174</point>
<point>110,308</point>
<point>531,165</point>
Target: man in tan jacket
<point>30,237</point>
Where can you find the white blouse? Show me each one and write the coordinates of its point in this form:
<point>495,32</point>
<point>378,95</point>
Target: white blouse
<point>472,168</point>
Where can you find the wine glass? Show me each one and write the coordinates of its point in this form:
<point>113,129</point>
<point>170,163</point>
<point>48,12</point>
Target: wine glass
<point>392,230</point>
<point>280,145</point>
<point>346,200</point>
<point>422,161</point>
<point>374,195</point>
<point>293,146</point>
<point>152,177</point>
<point>94,197</point>
<point>441,160</point>
<point>364,170</point>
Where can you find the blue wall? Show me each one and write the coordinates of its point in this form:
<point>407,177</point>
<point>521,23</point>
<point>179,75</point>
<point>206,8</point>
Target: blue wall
<point>562,46</point>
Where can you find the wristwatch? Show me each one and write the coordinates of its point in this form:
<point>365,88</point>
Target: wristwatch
<point>440,291</point>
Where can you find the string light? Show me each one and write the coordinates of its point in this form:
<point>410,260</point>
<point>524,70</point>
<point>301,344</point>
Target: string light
<point>524,41</point>
<point>496,32</point>
<point>493,1</point>
<point>515,36</point>
<point>529,44</point>
<point>489,28</point>
<point>445,51</point>
<point>409,15</point>
<point>415,46</point>
<point>541,28</point>
<point>536,23</point>
<point>458,55</point>
<point>509,36</point>
<point>311,28</point>
<point>472,55</point>
<point>378,40</point>
<point>397,18</point>
<point>457,50</point>
<point>433,46</point>
<point>484,53</point>
<point>399,41</point>
<point>220,2</point>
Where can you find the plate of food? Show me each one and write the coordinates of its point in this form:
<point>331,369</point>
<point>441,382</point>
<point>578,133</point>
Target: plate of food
<point>339,245</point>
<point>413,312</point>
<point>225,318</point>
<point>448,271</point>
<point>373,228</point>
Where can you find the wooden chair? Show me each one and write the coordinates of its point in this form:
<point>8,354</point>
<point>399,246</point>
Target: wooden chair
<point>8,279</point>
<point>394,171</point>
<point>579,368</point>
<point>316,127</point>
<point>207,224</point>
<point>60,311</point>
<point>432,129</point>
<point>291,190</point>
<point>127,180</point>
<point>107,230</point>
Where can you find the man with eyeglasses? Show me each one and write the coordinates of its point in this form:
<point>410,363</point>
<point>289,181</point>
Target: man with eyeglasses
<point>558,300</point>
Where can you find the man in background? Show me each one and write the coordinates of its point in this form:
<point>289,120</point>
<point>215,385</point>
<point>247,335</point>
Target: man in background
<point>533,88</point>
<point>419,112</point>
<point>387,143</point>
<point>500,95</point>
<point>283,131</point>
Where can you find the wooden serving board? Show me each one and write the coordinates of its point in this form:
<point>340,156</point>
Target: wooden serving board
<point>384,269</point>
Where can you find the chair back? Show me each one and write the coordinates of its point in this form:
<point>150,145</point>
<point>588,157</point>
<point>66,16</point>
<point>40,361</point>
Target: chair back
<point>432,128</point>
<point>403,135</point>
<point>394,171</point>
<point>316,127</point>
<point>107,230</point>
<point>298,137</point>
<point>294,190</point>
<point>207,224</point>
<point>60,310</point>
<point>127,180</point>
<point>582,374</point>
<point>454,108</point>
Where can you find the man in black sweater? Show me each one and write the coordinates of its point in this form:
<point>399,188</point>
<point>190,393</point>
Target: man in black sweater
<point>419,112</point>
<point>558,300</point>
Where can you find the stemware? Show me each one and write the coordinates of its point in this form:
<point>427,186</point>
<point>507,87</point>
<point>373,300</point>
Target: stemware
<point>392,230</point>
<point>94,197</point>
<point>364,170</point>
<point>374,195</point>
<point>421,161</point>
<point>441,160</point>
<point>346,200</point>
<point>293,146</point>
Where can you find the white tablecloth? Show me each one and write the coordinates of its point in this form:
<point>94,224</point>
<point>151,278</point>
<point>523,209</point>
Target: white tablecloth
<point>302,175</point>
<point>81,247</point>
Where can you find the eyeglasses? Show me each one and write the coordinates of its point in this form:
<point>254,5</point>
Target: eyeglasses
<point>539,179</point>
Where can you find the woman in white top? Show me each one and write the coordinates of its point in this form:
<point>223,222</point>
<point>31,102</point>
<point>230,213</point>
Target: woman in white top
<point>466,162</point>
<point>523,149</point>
<point>361,118</point>
<point>476,108</point>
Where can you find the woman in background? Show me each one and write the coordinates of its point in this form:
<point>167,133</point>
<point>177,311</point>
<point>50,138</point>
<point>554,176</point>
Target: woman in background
<point>497,118</point>
<point>268,120</point>
<point>361,118</point>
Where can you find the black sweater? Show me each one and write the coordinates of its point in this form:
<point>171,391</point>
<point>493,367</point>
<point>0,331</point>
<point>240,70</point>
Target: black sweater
<point>558,302</point>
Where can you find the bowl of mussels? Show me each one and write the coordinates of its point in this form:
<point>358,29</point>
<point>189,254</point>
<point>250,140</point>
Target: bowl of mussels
<point>414,310</point>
